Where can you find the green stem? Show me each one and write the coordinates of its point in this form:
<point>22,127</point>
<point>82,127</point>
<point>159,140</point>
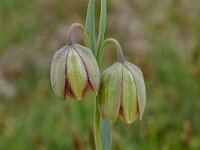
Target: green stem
<point>102,128</point>
<point>86,39</point>
<point>81,27</point>
<point>117,46</point>
<point>97,131</point>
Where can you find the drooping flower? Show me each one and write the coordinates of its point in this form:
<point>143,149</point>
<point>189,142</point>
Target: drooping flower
<point>122,91</point>
<point>74,72</point>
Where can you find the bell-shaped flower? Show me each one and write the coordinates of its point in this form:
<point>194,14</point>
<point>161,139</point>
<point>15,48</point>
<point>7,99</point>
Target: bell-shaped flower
<point>74,72</point>
<point>122,91</point>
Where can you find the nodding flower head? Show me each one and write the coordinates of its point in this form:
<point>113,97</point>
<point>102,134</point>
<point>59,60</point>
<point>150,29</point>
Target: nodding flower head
<point>74,71</point>
<point>122,91</point>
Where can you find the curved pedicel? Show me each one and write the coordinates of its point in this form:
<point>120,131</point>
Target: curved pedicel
<point>81,27</point>
<point>118,49</point>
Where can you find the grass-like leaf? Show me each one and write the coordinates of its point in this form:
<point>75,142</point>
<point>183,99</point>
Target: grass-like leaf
<point>90,25</point>
<point>106,128</point>
<point>102,25</point>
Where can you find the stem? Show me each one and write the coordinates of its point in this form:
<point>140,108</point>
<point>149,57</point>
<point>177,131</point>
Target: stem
<point>103,129</point>
<point>77,25</point>
<point>117,46</point>
<point>97,131</point>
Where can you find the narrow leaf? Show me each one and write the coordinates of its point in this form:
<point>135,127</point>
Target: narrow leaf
<point>90,25</point>
<point>102,24</point>
<point>106,128</point>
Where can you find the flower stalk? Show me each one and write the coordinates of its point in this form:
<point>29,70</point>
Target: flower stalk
<point>97,128</point>
<point>83,30</point>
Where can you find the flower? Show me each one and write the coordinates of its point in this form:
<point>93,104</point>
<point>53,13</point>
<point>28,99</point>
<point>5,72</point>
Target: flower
<point>122,90</point>
<point>74,72</point>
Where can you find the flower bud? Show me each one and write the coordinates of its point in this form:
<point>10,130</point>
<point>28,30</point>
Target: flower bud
<point>122,93</point>
<point>74,72</point>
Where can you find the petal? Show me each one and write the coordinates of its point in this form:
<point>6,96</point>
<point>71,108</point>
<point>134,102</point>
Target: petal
<point>128,110</point>
<point>58,72</point>
<point>110,92</point>
<point>76,74</point>
<point>90,65</point>
<point>140,86</point>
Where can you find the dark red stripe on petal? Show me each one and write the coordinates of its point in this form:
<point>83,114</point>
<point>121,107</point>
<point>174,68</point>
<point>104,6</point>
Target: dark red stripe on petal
<point>137,111</point>
<point>87,87</point>
<point>65,85</point>
<point>88,84</point>
<point>121,109</point>
<point>69,91</point>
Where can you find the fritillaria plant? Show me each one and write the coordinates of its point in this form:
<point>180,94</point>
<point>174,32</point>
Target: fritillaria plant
<point>120,89</point>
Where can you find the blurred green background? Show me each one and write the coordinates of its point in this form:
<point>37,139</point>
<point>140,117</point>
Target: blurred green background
<point>162,37</point>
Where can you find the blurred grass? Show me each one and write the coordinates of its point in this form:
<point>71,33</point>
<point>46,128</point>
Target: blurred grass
<point>161,37</point>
